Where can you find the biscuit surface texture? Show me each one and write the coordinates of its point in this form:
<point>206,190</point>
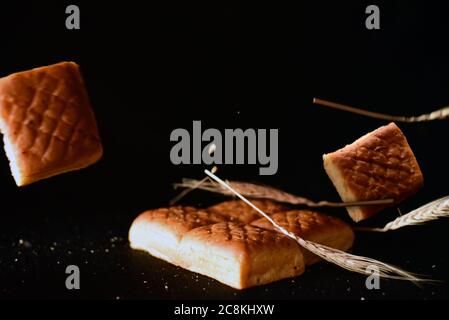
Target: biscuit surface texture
<point>47,122</point>
<point>379,165</point>
<point>312,226</point>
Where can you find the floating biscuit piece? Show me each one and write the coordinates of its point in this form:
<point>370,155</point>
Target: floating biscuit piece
<point>379,165</point>
<point>239,255</point>
<point>159,231</point>
<point>313,226</point>
<point>239,211</point>
<point>48,124</point>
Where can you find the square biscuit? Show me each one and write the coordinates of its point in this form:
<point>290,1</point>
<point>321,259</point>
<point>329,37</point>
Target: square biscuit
<point>47,122</point>
<point>240,255</point>
<point>379,165</point>
<point>160,231</point>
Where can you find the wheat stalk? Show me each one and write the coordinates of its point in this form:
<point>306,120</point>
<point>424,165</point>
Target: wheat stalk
<point>197,184</point>
<point>428,212</point>
<point>345,260</point>
<point>257,191</point>
<point>440,114</point>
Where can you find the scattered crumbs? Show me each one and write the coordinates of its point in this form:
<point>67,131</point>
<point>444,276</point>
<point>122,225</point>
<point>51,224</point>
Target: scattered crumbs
<point>25,243</point>
<point>362,298</point>
<point>115,239</point>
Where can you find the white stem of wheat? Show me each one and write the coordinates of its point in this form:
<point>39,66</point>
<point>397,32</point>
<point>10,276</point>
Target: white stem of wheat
<point>440,114</point>
<point>257,191</point>
<point>345,260</point>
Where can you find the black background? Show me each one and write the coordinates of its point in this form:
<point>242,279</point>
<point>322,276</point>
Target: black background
<point>151,69</point>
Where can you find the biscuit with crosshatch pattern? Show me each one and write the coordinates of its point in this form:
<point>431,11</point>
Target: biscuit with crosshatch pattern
<point>47,122</point>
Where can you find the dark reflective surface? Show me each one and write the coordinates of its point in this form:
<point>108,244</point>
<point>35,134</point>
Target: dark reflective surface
<point>151,70</point>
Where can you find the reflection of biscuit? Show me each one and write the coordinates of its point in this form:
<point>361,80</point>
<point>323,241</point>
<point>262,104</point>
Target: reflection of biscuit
<point>379,165</point>
<point>240,255</point>
<point>313,226</point>
<point>160,231</point>
<point>47,122</point>
<point>239,211</point>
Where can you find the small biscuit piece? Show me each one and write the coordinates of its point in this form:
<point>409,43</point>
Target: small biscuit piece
<point>159,231</point>
<point>239,211</point>
<point>239,255</point>
<point>48,124</point>
<point>313,226</point>
<point>379,165</point>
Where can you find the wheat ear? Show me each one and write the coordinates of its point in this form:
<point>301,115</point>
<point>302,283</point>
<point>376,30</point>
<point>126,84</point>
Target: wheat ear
<point>428,212</point>
<point>345,260</point>
<point>440,114</point>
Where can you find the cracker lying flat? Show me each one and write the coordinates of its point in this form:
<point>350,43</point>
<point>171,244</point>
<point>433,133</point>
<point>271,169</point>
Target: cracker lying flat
<point>159,231</point>
<point>379,165</point>
<point>313,226</point>
<point>239,211</point>
<point>47,122</point>
<point>239,255</point>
